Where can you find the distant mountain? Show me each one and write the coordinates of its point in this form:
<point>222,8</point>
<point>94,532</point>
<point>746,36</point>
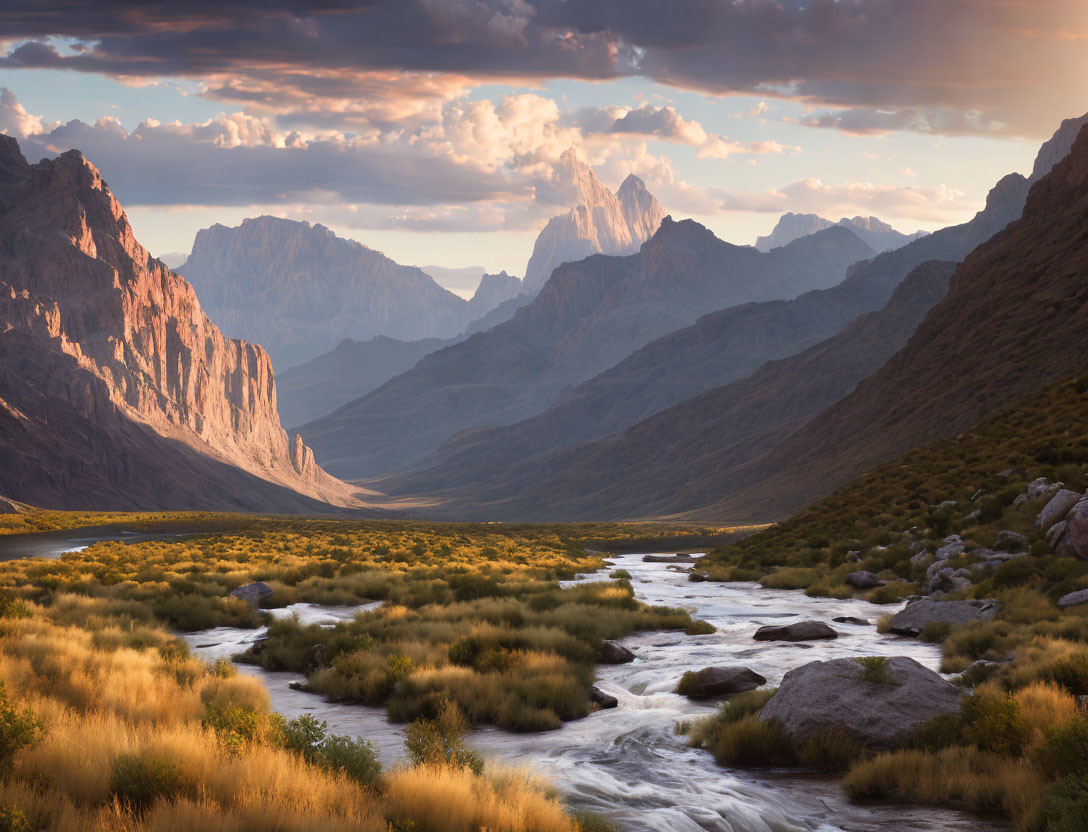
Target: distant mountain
<point>484,469</point>
<point>1015,320</point>
<point>116,391</point>
<point>877,234</point>
<point>461,282</point>
<point>319,386</point>
<point>298,289</point>
<point>598,222</point>
<point>492,291</point>
<point>589,315</point>
<point>173,259</point>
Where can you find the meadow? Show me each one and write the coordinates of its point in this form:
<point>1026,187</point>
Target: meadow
<point>1020,747</point>
<point>108,723</point>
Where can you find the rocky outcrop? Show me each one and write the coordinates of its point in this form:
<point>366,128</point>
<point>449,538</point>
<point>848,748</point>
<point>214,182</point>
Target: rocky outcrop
<point>713,682</point>
<point>611,652</point>
<point>110,370</point>
<point>598,222</point>
<point>298,290</point>
<point>1076,528</point>
<point>252,593</point>
<point>801,631</point>
<point>881,712</point>
<point>1057,508</point>
<point>1073,599</point>
<point>913,618</point>
<point>602,700</point>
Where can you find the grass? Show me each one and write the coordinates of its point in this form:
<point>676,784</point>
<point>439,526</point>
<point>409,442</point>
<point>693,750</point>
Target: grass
<point>874,669</point>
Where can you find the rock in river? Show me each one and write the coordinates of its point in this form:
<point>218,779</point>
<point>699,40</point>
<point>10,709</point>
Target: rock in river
<point>881,714</point>
<point>602,699</point>
<point>801,631</point>
<point>711,682</point>
<point>612,653</point>
<point>912,619</point>
<point>252,593</point>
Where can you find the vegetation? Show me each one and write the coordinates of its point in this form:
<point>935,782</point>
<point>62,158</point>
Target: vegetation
<point>1018,747</point>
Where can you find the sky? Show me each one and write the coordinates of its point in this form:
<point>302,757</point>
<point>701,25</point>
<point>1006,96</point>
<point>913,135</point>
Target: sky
<point>432,129</point>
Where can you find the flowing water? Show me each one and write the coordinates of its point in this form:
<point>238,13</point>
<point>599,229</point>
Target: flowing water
<point>628,763</point>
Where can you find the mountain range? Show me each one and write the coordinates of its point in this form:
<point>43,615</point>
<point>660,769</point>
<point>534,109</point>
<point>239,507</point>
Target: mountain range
<point>877,234</point>
<point>116,390</point>
<point>589,315</point>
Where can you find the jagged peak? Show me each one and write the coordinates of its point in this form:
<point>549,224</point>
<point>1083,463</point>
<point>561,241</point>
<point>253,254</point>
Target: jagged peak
<point>632,184</point>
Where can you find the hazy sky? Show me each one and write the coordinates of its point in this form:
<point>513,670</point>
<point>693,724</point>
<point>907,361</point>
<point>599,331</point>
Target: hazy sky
<point>430,129</point>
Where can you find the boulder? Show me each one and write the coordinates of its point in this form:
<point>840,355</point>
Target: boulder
<point>947,505</point>
<point>921,557</point>
<point>1039,489</point>
<point>602,699</point>
<point>670,558</point>
<point>1057,508</point>
<point>711,682</point>
<point>1076,528</point>
<point>1009,541</point>
<point>612,653</point>
<point>880,714</point>
<point>953,548</point>
<point>948,579</point>
<point>252,593</point>
<point>849,619</point>
<point>801,631</point>
<point>912,619</point>
<point>696,577</point>
<point>1073,599</point>
<point>863,580</point>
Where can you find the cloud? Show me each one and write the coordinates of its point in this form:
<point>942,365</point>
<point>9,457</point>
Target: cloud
<point>14,119</point>
<point>862,66</point>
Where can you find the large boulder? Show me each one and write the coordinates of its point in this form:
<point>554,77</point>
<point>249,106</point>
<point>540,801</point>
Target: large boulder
<point>1073,599</point>
<point>801,631</point>
<point>711,682</point>
<point>953,548</point>
<point>863,580</point>
<point>1009,541</point>
<point>252,593</point>
<point>1056,509</point>
<point>603,700</point>
<point>612,653</point>
<point>1076,528</point>
<point>913,618</point>
<point>881,714</point>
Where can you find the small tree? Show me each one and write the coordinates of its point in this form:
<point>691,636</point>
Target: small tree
<point>440,741</point>
<point>19,729</point>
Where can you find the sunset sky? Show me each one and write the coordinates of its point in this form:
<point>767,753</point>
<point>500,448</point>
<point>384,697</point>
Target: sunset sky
<point>430,129</point>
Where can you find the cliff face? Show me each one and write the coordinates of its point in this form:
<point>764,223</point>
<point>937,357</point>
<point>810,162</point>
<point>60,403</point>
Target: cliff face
<point>599,221</point>
<point>299,290</point>
<point>97,326</point>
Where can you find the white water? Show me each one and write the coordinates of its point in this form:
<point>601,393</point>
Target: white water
<point>628,763</point>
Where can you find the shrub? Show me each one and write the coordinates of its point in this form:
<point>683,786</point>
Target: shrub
<point>751,741</point>
<point>141,779</point>
<point>939,733</point>
<point>440,742</point>
<point>620,574</point>
<point>830,750</point>
<point>1065,806</point>
<point>891,593</point>
<point>223,668</point>
<point>874,669</point>
<point>592,822</point>
<point>13,820</point>
<point>1072,673</point>
<point>992,722</point>
<point>936,631</point>
<point>700,628</point>
<point>11,607</point>
<point>1064,750</point>
<point>311,740</point>
<point>19,729</point>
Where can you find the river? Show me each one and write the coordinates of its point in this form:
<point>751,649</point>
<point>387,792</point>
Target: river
<point>628,763</point>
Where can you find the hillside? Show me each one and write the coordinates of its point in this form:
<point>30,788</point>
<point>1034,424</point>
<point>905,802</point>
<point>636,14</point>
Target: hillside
<point>589,316</point>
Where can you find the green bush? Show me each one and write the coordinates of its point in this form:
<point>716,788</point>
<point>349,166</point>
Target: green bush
<point>620,575</point>
<point>1064,750</point>
<point>938,733</point>
<point>751,741</point>
<point>830,750</point>
<point>700,628</point>
<point>592,822</point>
<point>1065,807</point>
<point>992,722</point>
<point>874,669</point>
<point>11,607</point>
<point>311,740</point>
<point>936,631</point>
<point>13,820</point>
<point>141,779</point>
<point>440,741</point>
<point>1072,673</point>
<point>19,729</point>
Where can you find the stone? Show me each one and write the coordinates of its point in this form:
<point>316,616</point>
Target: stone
<point>831,695</point>
<point>947,505</point>
<point>1005,474</point>
<point>1073,599</point>
<point>252,593</point>
<point>1057,508</point>
<point>669,559</point>
<point>696,577</point>
<point>921,557</point>
<point>853,556</point>
<point>603,700</point>
<point>801,631</point>
<point>953,548</point>
<point>711,682</point>
<point>913,618</point>
<point>977,494</point>
<point>1010,541</point>
<point>1076,528</point>
<point>850,619</point>
<point>612,653</point>
<point>916,547</point>
<point>973,516</point>
<point>1054,534</point>
<point>863,580</point>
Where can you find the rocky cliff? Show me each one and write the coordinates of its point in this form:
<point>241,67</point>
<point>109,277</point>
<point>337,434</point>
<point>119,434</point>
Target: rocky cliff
<point>99,333</point>
<point>598,221</point>
<point>299,290</point>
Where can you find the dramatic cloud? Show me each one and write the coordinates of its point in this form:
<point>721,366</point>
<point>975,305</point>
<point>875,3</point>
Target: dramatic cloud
<point>945,66</point>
